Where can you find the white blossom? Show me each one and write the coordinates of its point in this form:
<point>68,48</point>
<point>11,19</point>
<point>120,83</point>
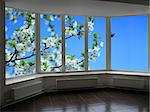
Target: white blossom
<point>51,58</point>
<point>101,44</point>
<point>75,24</point>
<point>91,26</point>
<point>20,47</point>
<point>49,29</point>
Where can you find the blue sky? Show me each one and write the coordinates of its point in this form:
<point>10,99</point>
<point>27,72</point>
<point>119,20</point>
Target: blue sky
<point>129,45</point>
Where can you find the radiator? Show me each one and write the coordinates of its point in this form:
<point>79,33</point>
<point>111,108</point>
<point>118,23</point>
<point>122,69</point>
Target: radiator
<point>76,83</point>
<point>27,90</point>
<point>129,82</point>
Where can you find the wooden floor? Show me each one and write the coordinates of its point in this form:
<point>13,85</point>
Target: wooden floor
<point>99,100</point>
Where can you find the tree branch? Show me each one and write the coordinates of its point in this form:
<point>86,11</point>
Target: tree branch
<point>20,58</point>
<point>80,62</point>
<point>24,57</point>
<point>56,67</point>
<point>69,37</point>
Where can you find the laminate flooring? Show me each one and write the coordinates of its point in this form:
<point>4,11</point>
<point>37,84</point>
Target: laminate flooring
<point>95,100</point>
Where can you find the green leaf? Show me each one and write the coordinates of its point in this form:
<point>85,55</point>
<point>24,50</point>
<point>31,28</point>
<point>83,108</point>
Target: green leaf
<point>93,45</point>
<point>72,57</point>
<point>46,37</point>
<point>34,34</point>
<point>82,64</point>
<point>24,62</point>
<point>90,18</point>
<point>55,37</point>
<point>72,21</point>
<point>28,14</point>
<point>80,26</point>
<point>13,43</point>
<point>31,63</point>
<point>14,19</point>
<point>69,17</point>
<point>48,19</point>
<point>52,25</point>
<point>83,53</point>
<point>45,64</point>
<point>17,29</point>
<point>71,28</point>
<point>95,35</point>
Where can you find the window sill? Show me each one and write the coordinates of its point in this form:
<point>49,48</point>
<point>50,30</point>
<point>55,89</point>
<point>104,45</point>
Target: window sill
<point>31,77</point>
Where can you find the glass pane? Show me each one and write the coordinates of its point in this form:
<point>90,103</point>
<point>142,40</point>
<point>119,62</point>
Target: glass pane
<point>51,54</point>
<point>20,42</point>
<point>96,43</point>
<point>130,43</point>
<point>74,36</point>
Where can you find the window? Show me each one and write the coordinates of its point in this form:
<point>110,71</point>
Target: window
<point>96,43</point>
<point>51,54</point>
<point>19,42</point>
<point>129,43</point>
<point>74,37</point>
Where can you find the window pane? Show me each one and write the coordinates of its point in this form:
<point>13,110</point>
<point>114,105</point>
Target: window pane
<point>96,43</point>
<point>20,42</point>
<point>74,36</point>
<point>51,54</point>
<point>130,43</point>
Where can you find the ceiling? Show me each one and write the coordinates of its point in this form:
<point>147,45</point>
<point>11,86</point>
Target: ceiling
<point>140,2</point>
<point>81,7</point>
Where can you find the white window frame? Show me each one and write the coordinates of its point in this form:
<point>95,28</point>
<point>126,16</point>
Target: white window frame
<point>38,62</point>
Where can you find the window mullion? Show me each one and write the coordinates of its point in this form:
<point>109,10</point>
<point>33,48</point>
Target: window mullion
<point>86,43</point>
<point>63,43</point>
<point>108,44</point>
<point>38,58</point>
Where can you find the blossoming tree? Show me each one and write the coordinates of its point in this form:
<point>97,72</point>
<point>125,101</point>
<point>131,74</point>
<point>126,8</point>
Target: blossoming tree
<point>20,43</point>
